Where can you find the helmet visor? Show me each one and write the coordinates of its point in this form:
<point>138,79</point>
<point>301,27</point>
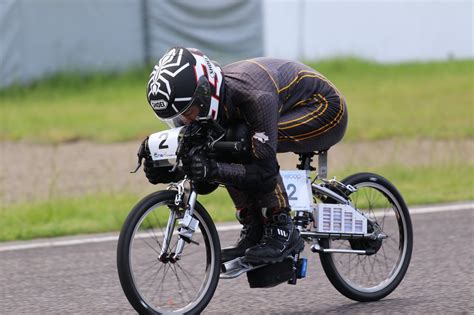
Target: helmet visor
<point>197,107</point>
<point>185,118</point>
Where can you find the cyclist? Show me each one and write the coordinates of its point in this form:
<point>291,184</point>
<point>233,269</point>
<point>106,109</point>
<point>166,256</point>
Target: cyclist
<point>286,106</point>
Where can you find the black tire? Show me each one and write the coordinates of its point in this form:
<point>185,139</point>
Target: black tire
<point>333,264</point>
<point>132,261</point>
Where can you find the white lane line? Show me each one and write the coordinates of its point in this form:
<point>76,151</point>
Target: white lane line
<point>443,208</point>
<point>80,241</point>
<point>220,228</point>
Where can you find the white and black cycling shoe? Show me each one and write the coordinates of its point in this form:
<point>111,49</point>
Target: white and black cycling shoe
<point>280,240</point>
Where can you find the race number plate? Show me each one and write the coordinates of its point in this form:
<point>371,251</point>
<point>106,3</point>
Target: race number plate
<point>298,188</point>
<point>163,145</point>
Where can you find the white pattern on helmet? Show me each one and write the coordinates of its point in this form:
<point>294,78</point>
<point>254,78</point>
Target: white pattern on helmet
<point>157,80</point>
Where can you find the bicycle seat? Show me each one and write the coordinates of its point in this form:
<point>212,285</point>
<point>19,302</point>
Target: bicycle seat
<point>317,152</point>
<point>306,158</point>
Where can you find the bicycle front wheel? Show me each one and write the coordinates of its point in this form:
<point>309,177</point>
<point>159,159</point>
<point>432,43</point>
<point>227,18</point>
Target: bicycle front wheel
<point>373,276</point>
<point>163,286</point>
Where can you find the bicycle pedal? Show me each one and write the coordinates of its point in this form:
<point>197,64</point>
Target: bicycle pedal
<point>234,268</point>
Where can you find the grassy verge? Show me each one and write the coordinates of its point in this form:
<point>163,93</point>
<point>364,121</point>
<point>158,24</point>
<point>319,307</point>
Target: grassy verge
<point>406,100</point>
<point>103,213</point>
<point>88,214</point>
<point>428,100</point>
<point>65,108</point>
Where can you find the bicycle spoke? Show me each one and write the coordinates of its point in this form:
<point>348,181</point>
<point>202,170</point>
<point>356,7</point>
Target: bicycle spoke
<point>383,221</point>
<point>180,286</point>
<point>162,283</point>
<point>144,241</point>
<point>355,200</point>
<point>187,275</point>
<point>151,280</point>
<point>382,269</point>
<point>372,264</point>
<point>388,242</point>
<point>185,290</point>
<point>188,253</point>
<point>159,224</point>
<point>155,237</point>
<point>385,258</point>
<point>150,265</point>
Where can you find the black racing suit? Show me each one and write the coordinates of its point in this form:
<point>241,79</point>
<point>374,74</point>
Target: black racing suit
<point>288,107</point>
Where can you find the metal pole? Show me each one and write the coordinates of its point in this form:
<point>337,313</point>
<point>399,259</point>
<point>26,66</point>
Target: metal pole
<point>301,29</point>
<point>146,32</point>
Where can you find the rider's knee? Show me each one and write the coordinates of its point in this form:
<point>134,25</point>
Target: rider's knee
<point>262,175</point>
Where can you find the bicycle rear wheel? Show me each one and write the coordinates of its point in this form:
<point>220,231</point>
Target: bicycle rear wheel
<point>371,277</point>
<point>155,286</point>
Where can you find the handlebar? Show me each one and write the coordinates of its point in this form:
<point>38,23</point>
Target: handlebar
<point>227,146</point>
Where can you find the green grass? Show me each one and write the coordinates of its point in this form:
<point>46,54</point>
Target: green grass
<point>103,213</point>
<point>430,100</point>
<point>88,214</point>
<point>102,108</point>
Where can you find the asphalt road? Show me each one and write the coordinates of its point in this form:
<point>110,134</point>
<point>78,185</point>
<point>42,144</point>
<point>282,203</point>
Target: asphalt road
<point>82,278</point>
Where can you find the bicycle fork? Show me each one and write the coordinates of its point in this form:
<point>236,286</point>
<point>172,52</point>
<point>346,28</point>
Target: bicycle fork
<point>188,225</point>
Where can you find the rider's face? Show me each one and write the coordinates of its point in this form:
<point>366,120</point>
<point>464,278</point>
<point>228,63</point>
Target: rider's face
<point>190,114</point>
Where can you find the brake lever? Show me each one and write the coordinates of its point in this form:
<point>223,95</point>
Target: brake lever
<point>141,154</point>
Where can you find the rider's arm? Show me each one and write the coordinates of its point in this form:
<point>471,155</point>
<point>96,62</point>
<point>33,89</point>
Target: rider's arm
<point>260,113</point>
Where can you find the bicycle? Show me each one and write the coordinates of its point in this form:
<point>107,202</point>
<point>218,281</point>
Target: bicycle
<point>360,223</point>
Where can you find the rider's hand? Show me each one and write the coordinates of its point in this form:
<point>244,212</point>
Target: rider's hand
<point>198,167</point>
<point>150,171</point>
<point>156,175</point>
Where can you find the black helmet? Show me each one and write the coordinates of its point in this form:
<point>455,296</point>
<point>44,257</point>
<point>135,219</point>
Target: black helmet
<point>184,84</point>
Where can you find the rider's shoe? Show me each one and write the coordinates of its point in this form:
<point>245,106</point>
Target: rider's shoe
<point>280,239</point>
<point>250,235</point>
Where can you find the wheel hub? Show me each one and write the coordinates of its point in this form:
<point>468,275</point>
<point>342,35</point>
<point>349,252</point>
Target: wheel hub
<point>370,245</point>
<point>167,258</point>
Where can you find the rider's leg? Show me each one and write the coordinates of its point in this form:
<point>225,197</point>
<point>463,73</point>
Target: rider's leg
<point>252,224</point>
<point>281,238</point>
<point>250,235</point>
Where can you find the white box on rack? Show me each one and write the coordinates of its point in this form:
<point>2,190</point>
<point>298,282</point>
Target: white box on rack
<point>337,218</point>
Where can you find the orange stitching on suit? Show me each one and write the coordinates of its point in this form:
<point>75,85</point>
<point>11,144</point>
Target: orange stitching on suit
<point>309,114</point>
<point>294,80</point>
<point>318,131</point>
<point>280,190</point>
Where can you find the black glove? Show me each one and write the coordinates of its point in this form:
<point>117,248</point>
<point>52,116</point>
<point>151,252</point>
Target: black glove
<point>150,171</point>
<point>158,174</point>
<point>199,168</point>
